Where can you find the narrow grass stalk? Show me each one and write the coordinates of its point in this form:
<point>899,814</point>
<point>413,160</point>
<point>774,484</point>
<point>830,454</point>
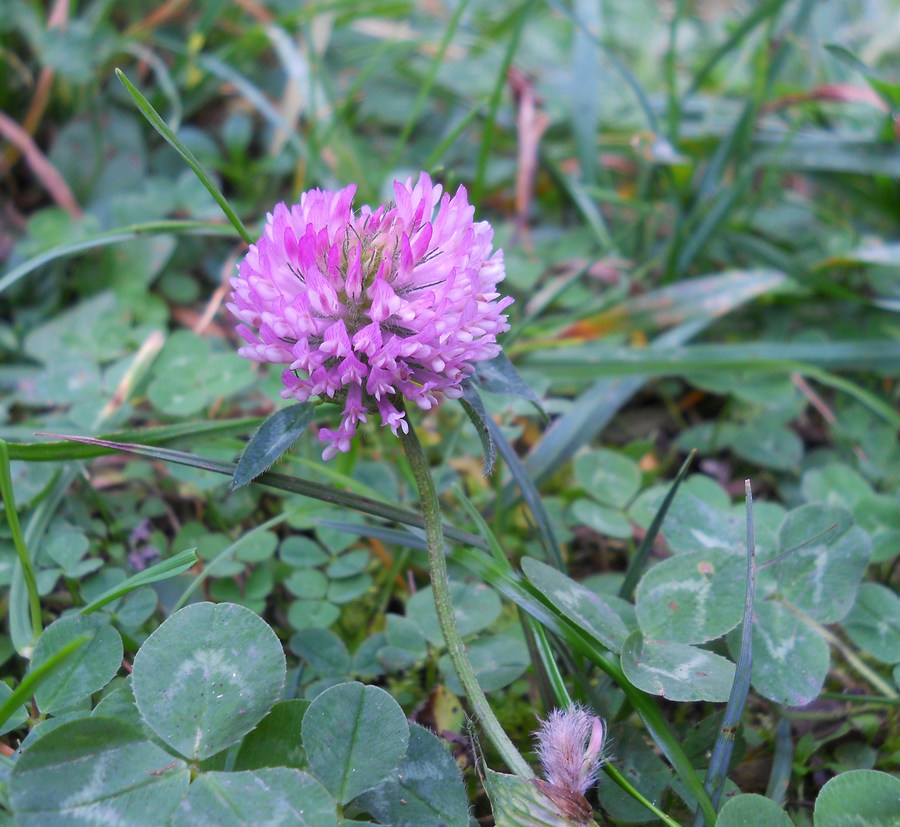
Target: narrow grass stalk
<point>450,138</point>
<point>782,762</point>
<point>226,554</point>
<point>529,494</point>
<point>427,83</point>
<point>860,699</point>
<point>35,678</point>
<point>162,127</point>
<point>862,668</point>
<point>523,13</point>
<point>12,517</point>
<point>440,584</point>
<point>624,783</point>
<point>116,236</point>
<point>721,754</point>
<point>673,105</point>
<point>21,630</point>
<point>161,571</point>
<point>636,567</point>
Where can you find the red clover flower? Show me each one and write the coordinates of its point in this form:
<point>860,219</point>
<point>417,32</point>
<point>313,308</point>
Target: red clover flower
<point>365,306</point>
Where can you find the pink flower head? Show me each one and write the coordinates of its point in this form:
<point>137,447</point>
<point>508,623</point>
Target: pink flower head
<point>364,307</point>
<point>570,746</point>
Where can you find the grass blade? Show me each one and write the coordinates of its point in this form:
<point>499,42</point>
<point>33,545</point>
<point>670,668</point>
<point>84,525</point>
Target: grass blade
<point>161,571</point>
<point>160,126</point>
<point>115,236</point>
<point>427,83</point>
<point>529,494</point>
<point>630,80</point>
<point>68,450</point>
<point>35,678</point>
<point>226,554</point>
<point>593,411</point>
<point>587,362</point>
<point>23,557</point>
<point>450,138</point>
<point>705,296</point>
<point>636,566</point>
<point>254,96</point>
<point>487,135</point>
<point>741,30</point>
<point>20,627</point>
<point>582,200</point>
<point>721,754</point>
<point>282,482</point>
<point>782,763</point>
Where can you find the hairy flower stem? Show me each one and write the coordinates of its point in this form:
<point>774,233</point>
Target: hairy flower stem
<point>440,584</point>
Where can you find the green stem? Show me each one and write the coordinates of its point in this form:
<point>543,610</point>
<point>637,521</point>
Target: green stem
<point>440,584</point>
<point>6,489</point>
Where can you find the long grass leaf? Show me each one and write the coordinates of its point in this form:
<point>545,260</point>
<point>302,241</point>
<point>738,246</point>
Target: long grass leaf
<point>487,136</point>
<point>582,363</point>
<point>68,450</point>
<point>115,236</point>
<point>209,568</point>
<point>630,80</point>
<point>36,677</point>
<point>673,100</point>
<point>427,83</point>
<point>740,687</point>
<point>162,127</point>
<point>705,296</point>
<point>254,96</point>
<point>282,482</point>
<point>23,557</point>
<point>636,566</point>
<point>743,27</point>
<point>529,494</point>
<point>870,400</point>
<point>593,410</point>
<point>582,200</point>
<point>450,138</point>
<point>713,220</point>
<point>161,571</point>
<point>782,761</point>
<point>20,627</point>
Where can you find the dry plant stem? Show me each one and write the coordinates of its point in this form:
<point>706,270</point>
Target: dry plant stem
<point>59,14</point>
<point>40,165</point>
<point>861,668</point>
<point>440,584</point>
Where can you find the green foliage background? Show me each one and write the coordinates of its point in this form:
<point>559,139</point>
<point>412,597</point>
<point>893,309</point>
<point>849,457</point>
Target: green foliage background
<point>697,203</point>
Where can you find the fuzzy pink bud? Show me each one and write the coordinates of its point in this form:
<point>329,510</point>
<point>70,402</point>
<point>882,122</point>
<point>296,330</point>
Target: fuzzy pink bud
<point>570,746</point>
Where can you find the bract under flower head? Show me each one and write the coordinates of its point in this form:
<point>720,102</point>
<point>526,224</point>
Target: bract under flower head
<point>364,306</point>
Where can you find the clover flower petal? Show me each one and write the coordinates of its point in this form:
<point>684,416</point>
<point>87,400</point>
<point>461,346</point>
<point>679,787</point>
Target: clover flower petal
<point>360,306</point>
